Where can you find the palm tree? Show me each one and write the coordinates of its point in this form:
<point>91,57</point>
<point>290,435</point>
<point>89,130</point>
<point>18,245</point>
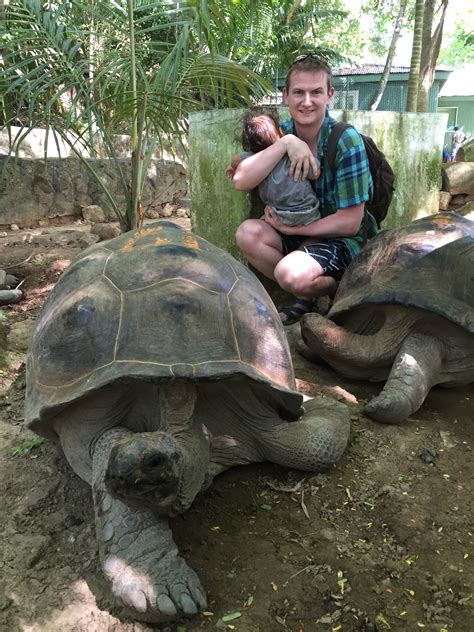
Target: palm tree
<point>93,68</point>
<point>431,44</point>
<point>414,76</point>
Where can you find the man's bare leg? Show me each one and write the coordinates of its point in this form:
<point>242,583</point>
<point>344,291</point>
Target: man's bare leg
<point>301,275</point>
<point>261,245</point>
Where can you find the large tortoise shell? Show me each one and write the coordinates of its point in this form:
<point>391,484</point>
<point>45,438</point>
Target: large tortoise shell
<point>428,264</point>
<point>157,303</point>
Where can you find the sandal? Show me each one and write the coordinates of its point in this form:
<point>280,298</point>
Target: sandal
<point>294,312</point>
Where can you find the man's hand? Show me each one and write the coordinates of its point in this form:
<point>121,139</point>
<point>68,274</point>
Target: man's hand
<point>270,218</point>
<point>301,158</point>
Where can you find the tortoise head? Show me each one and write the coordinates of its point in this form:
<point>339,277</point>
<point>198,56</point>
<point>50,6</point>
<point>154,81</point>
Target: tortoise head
<point>163,470</point>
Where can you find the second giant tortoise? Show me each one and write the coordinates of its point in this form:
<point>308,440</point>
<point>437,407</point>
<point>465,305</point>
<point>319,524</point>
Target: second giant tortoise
<point>404,313</point>
<point>159,361</point>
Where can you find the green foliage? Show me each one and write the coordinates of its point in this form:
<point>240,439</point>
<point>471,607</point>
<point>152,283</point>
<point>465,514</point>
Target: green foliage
<point>458,48</point>
<point>92,69</point>
<point>383,14</point>
<point>270,41</point>
<point>29,447</point>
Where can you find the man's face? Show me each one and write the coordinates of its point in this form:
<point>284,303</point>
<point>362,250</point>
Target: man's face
<point>307,97</point>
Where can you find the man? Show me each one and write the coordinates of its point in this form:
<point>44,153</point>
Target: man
<point>457,140</point>
<point>309,260</point>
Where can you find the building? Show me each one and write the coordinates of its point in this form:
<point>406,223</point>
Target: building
<point>457,99</point>
<point>355,88</point>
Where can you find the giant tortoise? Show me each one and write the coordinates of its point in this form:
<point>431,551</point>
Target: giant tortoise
<point>159,361</point>
<point>404,313</point>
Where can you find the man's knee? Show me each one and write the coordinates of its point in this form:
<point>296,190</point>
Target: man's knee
<point>247,234</point>
<point>294,276</point>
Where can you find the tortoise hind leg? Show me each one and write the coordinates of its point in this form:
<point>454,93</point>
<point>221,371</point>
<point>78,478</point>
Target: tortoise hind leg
<point>138,555</point>
<point>415,370</point>
<point>313,443</point>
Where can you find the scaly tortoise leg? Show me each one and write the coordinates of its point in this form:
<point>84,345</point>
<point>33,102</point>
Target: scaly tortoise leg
<point>138,555</point>
<point>313,443</point>
<point>415,370</point>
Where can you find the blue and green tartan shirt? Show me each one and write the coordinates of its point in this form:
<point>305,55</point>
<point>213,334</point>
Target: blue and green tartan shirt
<point>352,183</point>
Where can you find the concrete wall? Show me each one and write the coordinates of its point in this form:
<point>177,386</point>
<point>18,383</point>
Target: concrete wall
<point>411,142</point>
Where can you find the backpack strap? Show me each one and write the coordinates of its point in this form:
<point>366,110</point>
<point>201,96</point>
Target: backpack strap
<point>331,151</point>
<point>333,140</point>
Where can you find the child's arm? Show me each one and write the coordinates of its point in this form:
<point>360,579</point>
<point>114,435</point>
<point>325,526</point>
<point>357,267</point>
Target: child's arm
<point>234,163</point>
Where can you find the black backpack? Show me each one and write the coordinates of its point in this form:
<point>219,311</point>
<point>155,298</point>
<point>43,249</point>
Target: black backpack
<point>381,172</point>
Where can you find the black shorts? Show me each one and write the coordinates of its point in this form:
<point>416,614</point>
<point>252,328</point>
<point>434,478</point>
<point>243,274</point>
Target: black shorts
<point>332,254</point>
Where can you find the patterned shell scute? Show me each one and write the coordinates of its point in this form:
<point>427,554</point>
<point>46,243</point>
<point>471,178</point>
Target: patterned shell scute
<point>157,303</point>
<point>428,264</point>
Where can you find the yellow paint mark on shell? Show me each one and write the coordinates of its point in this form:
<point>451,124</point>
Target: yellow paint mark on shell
<point>146,232</point>
<point>128,245</point>
<point>161,241</point>
<point>191,242</point>
<point>442,221</point>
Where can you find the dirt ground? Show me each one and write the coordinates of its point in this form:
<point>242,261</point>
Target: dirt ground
<point>381,542</point>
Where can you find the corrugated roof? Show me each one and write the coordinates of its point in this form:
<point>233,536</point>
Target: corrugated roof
<point>369,69</point>
<point>376,69</point>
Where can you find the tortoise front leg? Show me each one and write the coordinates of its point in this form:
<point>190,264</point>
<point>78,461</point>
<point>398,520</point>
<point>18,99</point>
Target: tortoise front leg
<point>313,443</point>
<point>415,370</point>
<point>138,555</point>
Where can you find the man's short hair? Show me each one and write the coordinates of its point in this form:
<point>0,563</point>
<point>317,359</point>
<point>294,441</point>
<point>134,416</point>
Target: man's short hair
<point>310,63</point>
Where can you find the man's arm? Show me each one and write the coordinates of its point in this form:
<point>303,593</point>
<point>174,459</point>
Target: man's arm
<point>256,168</point>
<point>344,223</point>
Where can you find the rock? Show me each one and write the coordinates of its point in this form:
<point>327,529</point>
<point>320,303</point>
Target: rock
<point>94,214</point>
<point>182,212</point>
<point>20,334</point>
<point>106,230</point>
<point>458,177</point>
<point>458,200</point>
<point>7,281</point>
<point>444,199</point>
<point>152,213</point>
<point>466,209</point>
<point>4,329</point>
<point>184,203</point>
<point>466,153</point>
<point>167,210</point>
<point>14,227</point>
<point>10,296</point>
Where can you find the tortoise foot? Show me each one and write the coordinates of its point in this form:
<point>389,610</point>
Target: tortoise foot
<point>388,409</point>
<point>153,589</point>
<point>141,563</point>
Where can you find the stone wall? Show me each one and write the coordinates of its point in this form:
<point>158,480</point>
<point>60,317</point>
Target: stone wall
<point>413,144</point>
<point>34,188</point>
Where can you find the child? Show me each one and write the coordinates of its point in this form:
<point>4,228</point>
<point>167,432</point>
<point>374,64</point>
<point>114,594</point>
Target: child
<point>294,203</point>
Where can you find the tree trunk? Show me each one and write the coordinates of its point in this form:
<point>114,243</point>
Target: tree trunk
<point>431,44</point>
<point>390,55</point>
<point>413,79</point>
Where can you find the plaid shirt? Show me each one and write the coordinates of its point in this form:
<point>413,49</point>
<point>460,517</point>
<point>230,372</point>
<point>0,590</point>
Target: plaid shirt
<point>352,183</point>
